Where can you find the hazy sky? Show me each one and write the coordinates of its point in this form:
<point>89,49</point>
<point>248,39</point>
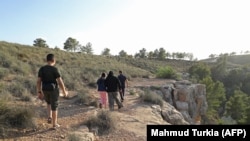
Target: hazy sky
<point>201,27</point>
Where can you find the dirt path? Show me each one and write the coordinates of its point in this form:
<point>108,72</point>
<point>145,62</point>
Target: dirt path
<point>130,126</point>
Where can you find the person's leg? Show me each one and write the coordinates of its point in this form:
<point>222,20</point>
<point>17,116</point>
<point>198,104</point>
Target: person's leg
<point>49,110</point>
<point>103,98</point>
<point>100,102</point>
<point>47,99</point>
<point>111,101</point>
<point>123,92</point>
<point>115,96</point>
<point>54,107</point>
<point>49,113</point>
<point>54,118</point>
<point>121,95</point>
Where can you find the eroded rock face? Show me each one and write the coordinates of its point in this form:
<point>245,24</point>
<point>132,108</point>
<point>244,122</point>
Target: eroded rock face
<point>189,99</point>
<point>172,116</point>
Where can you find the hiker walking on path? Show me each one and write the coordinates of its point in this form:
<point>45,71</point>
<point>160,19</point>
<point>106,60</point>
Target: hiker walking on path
<point>123,79</point>
<point>113,85</point>
<point>47,87</point>
<point>102,90</point>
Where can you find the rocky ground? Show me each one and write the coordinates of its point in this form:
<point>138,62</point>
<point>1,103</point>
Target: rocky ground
<point>131,120</point>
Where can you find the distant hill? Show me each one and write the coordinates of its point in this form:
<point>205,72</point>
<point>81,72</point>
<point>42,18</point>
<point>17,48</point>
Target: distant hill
<point>232,61</point>
<point>240,59</point>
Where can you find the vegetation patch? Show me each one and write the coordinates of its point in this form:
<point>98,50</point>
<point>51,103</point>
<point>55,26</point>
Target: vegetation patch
<point>166,72</point>
<point>102,123</point>
<point>74,137</point>
<point>15,117</point>
<point>151,97</point>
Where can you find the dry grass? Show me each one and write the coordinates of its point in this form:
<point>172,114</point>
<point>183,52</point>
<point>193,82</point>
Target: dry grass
<point>102,123</point>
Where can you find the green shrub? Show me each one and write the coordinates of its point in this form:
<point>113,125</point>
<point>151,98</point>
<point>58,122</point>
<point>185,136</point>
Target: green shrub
<point>2,86</point>
<point>3,72</point>
<point>26,96</point>
<point>21,68</point>
<point>5,59</point>
<point>3,107</point>
<point>16,89</point>
<point>30,85</point>
<point>166,72</point>
<point>19,117</point>
<point>5,95</point>
<point>151,97</point>
<point>84,97</point>
<point>103,121</point>
<point>74,137</point>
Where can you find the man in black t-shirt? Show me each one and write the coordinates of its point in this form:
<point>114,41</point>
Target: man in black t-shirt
<point>47,87</point>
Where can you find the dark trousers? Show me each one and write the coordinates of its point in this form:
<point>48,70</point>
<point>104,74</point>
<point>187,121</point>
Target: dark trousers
<point>112,97</point>
<point>122,93</point>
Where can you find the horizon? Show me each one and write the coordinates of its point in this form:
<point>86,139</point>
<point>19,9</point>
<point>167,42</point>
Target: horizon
<point>198,27</point>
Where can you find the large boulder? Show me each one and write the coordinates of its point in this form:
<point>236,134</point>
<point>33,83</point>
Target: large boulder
<point>172,116</point>
<point>189,99</point>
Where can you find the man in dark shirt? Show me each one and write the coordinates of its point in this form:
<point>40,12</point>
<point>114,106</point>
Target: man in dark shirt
<point>113,85</point>
<point>123,79</point>
<point>47,86</point>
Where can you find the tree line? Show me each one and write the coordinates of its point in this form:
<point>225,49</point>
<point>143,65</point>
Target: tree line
<point>73,45</point>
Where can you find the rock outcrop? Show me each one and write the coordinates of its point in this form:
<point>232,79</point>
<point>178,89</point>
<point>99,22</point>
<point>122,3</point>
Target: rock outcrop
<point>187,98</point>
<point>172,116</point>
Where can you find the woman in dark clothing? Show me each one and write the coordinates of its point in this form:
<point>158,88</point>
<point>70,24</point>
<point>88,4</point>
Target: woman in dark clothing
<point>102,91</point>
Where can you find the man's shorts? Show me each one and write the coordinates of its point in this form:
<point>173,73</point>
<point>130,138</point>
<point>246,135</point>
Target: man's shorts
<point>51,97</point>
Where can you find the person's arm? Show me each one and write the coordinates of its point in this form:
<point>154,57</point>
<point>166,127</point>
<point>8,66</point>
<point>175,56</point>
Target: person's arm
<point>62,86</point>
<point>39,87</point>
<point>39,84</point>
<point>126,82</point>
<point>119,84</point>
<point>98,83</point>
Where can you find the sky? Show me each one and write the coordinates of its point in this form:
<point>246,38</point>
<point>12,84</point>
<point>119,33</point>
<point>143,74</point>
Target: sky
<point>200,27</point>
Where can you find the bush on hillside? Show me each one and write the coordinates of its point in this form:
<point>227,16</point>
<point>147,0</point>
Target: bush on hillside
<point>74,137</point>
<point>3,72</point>
<point>166,72</point>
<point>103,122</point>
<point>2,87</point>
<point>26,96</point>
<point>16,89</point>
<point>84,97</point>
<point>19,117</point>
<point>151,97</point>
